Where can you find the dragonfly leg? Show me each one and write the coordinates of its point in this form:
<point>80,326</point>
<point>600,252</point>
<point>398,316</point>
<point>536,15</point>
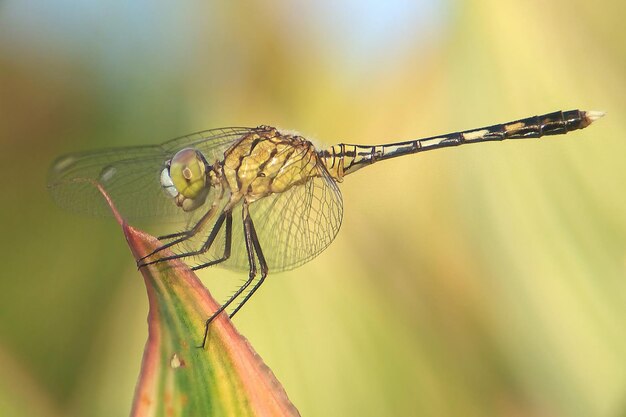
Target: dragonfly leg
<point>227,245</point>
<point>262,266</point>
<point>248,230</point>
<point>175,235</point>
<point>226,215</point>
<point>181,237</point>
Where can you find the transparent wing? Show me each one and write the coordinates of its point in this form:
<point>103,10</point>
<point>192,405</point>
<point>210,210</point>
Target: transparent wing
<point>130,175</point>
<point>293,227</point>
<point>212,143</point>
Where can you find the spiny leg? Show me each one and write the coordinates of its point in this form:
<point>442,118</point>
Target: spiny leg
<point>205,247</point>
<point>262,265</point>
<point>182,236</point>
<point>227,244</point>
<point>248,231</point>
<point>174,235</point>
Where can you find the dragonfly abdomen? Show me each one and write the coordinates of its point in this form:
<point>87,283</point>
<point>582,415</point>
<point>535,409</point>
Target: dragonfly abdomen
<point>556,123</point>
<point>343,159</point>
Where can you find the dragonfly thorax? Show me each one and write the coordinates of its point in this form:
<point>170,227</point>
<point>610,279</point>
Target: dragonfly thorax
<point>184,179</point>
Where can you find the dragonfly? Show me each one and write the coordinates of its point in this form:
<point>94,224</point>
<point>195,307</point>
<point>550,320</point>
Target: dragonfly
<point>250,199</point>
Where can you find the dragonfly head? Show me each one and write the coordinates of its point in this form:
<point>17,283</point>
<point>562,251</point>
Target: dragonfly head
<point>184,179</point>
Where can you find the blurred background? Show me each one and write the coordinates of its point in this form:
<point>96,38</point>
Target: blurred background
<point>486,280</point>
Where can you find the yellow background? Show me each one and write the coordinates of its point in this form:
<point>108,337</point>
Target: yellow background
<point>485,280</point>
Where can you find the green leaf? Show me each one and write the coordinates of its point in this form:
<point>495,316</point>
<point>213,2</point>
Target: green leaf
<point>226,378</point>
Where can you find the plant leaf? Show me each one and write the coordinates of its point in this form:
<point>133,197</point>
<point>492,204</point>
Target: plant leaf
<point>226,378</point>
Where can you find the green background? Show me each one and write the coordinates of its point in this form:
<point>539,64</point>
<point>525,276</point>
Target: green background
<point>486,280</point>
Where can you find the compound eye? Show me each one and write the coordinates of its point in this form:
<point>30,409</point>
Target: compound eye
<point>187,173</point>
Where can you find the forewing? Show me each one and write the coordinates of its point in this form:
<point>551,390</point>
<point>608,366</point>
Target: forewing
<point>131,176</point>
<point>212,143</point>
